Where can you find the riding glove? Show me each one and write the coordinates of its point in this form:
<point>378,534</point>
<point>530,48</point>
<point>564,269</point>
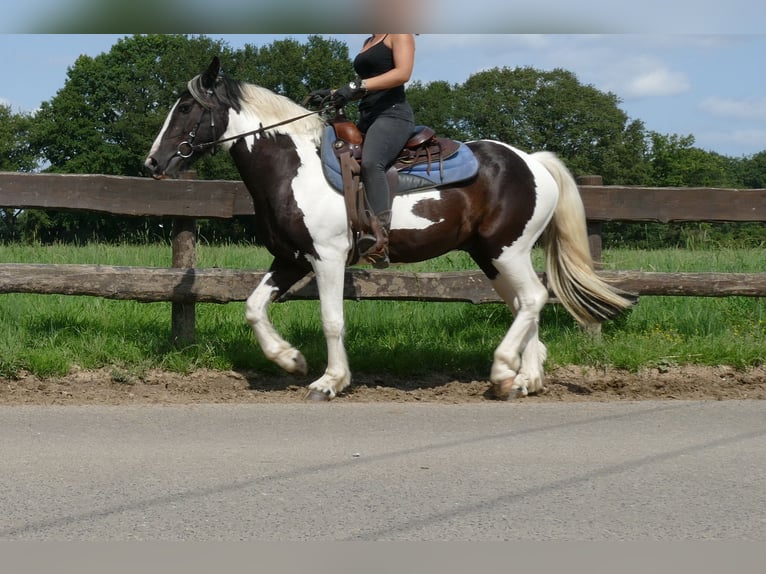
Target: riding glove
<point>353,91</point>
<point>316,97</point>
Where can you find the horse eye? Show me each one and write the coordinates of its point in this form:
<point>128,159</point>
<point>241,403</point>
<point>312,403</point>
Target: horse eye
<point>184,108</point>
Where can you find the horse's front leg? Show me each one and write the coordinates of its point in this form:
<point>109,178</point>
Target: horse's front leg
<point>281,276</point>
<point>330,277</point>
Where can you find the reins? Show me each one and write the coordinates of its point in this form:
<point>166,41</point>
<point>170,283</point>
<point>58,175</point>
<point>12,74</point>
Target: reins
<point>261,130</point>
<point>189,147</point>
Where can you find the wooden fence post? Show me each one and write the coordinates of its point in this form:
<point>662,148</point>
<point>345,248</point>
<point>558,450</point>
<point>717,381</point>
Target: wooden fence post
<point>184,256</point>
<point>184,245</point>
<point>594,227</point>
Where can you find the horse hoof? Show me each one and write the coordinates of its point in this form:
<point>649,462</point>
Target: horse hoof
<point>317,396</point>
<point>293,362</point>
<point>505,391</point>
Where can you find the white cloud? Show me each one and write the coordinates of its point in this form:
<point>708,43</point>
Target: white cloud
<point>644,77</point>
<point>631,66</point>
<point>658,82</point>
<point>745,109</point>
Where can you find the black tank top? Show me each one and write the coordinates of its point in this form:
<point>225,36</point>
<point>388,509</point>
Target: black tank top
<point>370,63</point>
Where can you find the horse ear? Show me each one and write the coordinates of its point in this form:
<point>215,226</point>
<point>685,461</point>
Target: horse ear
<point>211,74</point>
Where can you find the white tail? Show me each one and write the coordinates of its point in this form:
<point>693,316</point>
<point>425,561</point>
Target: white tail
<point>568,262</point>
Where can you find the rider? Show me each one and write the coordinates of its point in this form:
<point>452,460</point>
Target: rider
<point>383,66</point>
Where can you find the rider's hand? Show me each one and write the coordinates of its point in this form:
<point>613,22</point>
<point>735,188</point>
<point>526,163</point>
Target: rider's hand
<point>316,97</point>
<point>353,91</point>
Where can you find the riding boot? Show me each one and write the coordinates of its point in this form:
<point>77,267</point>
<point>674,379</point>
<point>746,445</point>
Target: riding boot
<point>374,248</point>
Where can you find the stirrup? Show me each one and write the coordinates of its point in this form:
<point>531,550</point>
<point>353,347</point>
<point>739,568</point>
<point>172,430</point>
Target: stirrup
<point>373,244</point>
<point>365,243</point>
<point>379,259</point>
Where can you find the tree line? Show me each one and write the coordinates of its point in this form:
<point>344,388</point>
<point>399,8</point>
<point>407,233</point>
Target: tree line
<point>111,106</point>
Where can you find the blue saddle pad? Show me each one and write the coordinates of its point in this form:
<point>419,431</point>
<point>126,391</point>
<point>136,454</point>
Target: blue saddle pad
<point>460,166</point>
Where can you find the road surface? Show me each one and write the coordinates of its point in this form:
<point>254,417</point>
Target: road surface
<point>664,470</point>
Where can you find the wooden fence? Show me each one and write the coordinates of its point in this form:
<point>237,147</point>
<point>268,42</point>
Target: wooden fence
<point>186,200</point>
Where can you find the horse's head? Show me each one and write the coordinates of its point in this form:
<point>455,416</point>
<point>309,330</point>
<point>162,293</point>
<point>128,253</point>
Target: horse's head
<point>196,121</point>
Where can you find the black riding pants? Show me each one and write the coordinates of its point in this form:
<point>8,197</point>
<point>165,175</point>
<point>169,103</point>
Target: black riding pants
<point>384,139</point>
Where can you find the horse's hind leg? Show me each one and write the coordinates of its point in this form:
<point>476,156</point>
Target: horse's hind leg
<point>276,282</point>
<point>517,368</point>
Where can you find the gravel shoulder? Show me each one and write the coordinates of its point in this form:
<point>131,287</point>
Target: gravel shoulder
<point>569,383</point>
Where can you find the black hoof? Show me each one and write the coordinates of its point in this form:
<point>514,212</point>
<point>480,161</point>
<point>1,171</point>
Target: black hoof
<point>317,396</point>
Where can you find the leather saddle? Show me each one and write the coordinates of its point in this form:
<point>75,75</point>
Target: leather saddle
<point>425,162</point>
<point>423,147</point>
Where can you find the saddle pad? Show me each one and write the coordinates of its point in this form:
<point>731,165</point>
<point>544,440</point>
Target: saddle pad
<point>459,167</point>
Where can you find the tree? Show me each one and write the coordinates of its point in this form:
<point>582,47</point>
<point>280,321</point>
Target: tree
<point>434,106</point>
<point>292,69</point>
<point>105,117</point>
<point>111,107</point>
<point>753,171</point>
<point>15,152</point>
<point>551,110</point>
<point>675,162</point>
<point>15,155</point>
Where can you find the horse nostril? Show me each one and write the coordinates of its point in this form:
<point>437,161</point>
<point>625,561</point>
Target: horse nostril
<point>153,168</point>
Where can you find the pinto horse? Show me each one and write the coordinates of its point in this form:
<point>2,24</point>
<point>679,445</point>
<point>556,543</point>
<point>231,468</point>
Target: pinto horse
<point>496,216</point>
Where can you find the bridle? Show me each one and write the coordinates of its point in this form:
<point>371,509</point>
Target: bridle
<point>188,144</point>
<point>187,147</point>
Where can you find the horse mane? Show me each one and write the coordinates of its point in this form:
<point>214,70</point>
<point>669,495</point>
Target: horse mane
<point>271,108</point>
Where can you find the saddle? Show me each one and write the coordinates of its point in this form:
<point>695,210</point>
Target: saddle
<point>414,168</point>
<point>423,147</point>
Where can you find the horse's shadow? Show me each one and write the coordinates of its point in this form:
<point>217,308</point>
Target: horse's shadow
<point>366,386</point>
<point>575,389</point>
<point>268,381</point>
<point>260,381</point>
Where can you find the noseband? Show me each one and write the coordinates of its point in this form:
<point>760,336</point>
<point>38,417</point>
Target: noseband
<point>202,96</point>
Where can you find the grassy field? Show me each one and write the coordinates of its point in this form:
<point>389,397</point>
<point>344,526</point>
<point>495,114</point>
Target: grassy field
<point>50,334</point>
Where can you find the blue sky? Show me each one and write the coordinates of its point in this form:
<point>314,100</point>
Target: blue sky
<point>708,85</point>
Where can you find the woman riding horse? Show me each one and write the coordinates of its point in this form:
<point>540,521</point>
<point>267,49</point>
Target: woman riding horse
<point>383,66</point>
<point>496,216</point>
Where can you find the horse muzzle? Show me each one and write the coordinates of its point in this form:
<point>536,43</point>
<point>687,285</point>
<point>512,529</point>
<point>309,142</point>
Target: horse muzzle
<point>154,168</point>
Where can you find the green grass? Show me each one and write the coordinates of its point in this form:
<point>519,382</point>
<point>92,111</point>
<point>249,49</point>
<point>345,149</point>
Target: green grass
<point>49,334</point>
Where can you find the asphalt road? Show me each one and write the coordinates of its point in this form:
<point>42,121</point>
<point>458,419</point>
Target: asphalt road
<point>521,471</point>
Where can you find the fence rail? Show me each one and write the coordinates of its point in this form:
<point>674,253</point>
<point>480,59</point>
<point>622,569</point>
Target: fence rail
<point>179,285</point>
<point>224,199</point>
<point>185,285</point>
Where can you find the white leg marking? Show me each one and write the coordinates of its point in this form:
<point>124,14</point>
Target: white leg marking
<point>520,355</point>
<point>337,376</point>
<point>274,347</point>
